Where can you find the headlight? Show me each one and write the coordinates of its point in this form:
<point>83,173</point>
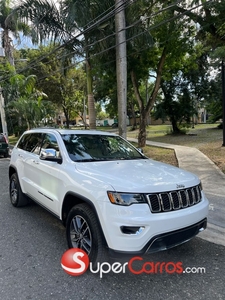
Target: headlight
<point>125,198</point>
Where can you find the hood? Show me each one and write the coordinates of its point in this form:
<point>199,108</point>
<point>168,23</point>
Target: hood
<point>143,176</point>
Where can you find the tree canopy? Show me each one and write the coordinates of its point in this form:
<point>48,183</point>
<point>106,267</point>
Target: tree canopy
<point>172,49</point>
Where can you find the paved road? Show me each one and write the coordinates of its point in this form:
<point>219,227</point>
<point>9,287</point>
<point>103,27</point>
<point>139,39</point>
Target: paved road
<point>33,241</point>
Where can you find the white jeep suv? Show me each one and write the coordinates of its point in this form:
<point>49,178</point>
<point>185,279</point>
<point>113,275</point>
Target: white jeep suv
<point>107,193</point>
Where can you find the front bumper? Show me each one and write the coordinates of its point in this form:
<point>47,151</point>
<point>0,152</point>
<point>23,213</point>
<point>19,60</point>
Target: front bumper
<point>167,240</point>
<point>134,229</point>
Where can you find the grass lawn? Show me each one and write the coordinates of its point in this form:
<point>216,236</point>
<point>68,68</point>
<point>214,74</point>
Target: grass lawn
<point>161,154</point>
<point>205,137</point>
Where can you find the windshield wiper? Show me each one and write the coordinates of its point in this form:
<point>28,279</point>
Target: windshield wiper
<point>87,160</point>
<point>129,158</point>
<point>109,159</point>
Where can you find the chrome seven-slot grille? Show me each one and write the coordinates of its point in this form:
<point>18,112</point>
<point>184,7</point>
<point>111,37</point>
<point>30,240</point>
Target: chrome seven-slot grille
<point>174,200</point>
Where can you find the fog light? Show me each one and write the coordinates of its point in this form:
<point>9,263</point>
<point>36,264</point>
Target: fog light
<point>134,230</point>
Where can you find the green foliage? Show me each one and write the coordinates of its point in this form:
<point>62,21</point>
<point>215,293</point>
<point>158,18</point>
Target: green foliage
<point>45,18</point>
<point>213,100</point>
<point>10,27</point>
<point>189,37</point>
<point>30,113</point>
<point>100,112</point>
<point>179,112</point>
<point>63,82</point>
<point>28,105</point>
<point>186,91</point>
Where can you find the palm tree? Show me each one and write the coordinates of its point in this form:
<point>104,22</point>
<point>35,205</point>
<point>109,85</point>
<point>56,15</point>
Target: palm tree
<point>28,105</point>
<point>13,27</point>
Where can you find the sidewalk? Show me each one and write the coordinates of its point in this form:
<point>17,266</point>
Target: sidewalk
<point>213,181</point>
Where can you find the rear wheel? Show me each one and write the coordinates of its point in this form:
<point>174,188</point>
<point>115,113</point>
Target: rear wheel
<point>17,197</point>
<point>83,232</point>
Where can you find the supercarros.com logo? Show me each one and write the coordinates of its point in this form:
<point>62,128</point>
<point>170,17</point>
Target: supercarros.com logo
<point>76,262</point>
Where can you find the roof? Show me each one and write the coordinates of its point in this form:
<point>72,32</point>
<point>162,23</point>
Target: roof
<point>71,131</point>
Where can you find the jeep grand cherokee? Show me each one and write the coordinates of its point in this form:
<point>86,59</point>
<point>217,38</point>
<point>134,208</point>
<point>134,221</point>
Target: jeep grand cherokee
<point>106,192</point>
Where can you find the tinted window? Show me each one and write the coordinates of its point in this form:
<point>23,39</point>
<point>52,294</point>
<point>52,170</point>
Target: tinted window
<point>50,142</point>
<point>31,142</point>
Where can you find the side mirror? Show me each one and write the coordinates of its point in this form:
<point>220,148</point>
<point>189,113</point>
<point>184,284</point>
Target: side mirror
<point>50,155</point>
<point>140,150</point>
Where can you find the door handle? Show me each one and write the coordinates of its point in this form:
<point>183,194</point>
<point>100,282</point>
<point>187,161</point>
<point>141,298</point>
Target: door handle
<point>36,162</point>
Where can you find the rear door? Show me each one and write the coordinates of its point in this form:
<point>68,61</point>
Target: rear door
<point>44,175</point>
<point>27,153</point>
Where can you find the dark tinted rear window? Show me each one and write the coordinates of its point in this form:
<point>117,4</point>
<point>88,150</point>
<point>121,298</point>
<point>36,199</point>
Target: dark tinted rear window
<point>31,142</point>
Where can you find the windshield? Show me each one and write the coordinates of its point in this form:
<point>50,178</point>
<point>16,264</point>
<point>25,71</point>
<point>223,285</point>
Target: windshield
<point>97,147</point>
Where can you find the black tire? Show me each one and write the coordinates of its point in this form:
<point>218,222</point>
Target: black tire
<point>17,197</point>
<point>6,154</point>
<point>83,232</point>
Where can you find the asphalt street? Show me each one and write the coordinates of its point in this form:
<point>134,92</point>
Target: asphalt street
<point>33,242</point>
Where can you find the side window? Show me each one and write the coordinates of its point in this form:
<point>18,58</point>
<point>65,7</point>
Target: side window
<point>36,141</point>
<point>31,142</point>
<point>50,142</point>
<point>23,141</point>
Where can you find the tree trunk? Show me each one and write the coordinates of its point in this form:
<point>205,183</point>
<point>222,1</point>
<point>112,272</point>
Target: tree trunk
<point>8,47</point>
<point>154,93</point>
<point>143,112</point>
<point>145,109</point>
<point>2,111</point>
<point>9,55</point>
<point>176,130</point>
<point>67,117</point>
<point>142,135</point>
<point>91,100</point>
<point>134,118</point>
<point>121,67</point>
<point>91,111</point>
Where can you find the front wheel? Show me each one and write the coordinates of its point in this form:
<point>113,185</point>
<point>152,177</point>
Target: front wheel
<point>17,197</point>
<point>83,232</point>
